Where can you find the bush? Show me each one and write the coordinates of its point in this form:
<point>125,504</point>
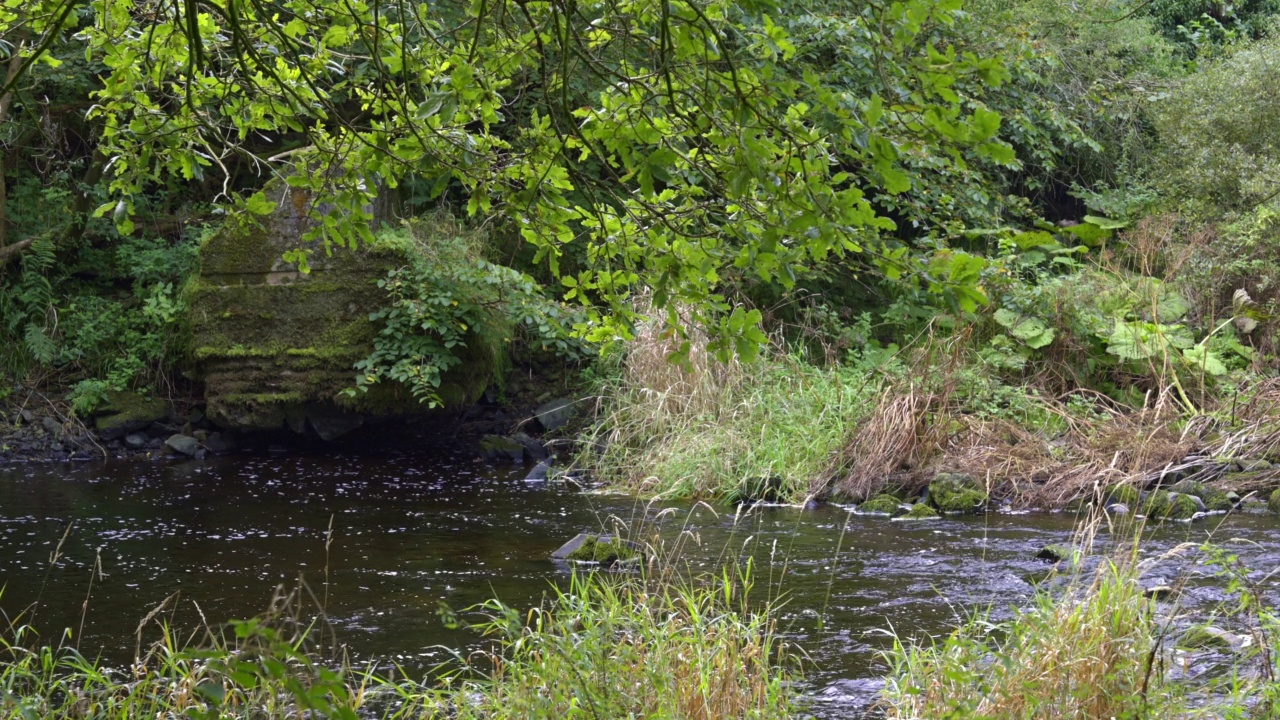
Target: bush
<point>1220,131</point>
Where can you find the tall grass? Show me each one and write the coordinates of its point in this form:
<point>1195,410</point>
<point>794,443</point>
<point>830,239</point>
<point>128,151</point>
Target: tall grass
<point>716,430</point>
<point>605,647</point>
<point>1098,645</point>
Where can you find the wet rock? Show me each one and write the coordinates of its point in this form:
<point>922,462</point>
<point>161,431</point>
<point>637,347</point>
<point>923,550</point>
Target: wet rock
<point>220,443</point>
<point>496,447</point>
<point>556,413</point>
<point>539,471</point>
<point>1118,509</point>
<point>956,493</point>
<point>533,447</point>
<point>1208,637</point>
<point>1164,505</point>
<point>605,550</point>
<point>183,445</point>
<point>27,416</point>
<point>126,412</point>
<point>136,441</point>
<point>51,426</point>
<point>1210,498</point>
<point>1056,553</point>
<point>1256,465</point>
<point>331,422</point>
<point>881,505</point>
<point>919,511</point>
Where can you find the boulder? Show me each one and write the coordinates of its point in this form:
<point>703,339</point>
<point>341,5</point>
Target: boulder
<point>1211,498</point>
<point>1164,505</point>
<point>605,550</point>
<point>136,441</point>
<point>126,412</point>
<point>1056,553</point>
<point>183,445</point>
<point>556,414</point>
<point>1273,502</point>
<point>1125,495</point>
<point>496,447</point>
<point>539,472</point>
<point>956,493</point>
<point>331,422</point>
<point>533,447</point>
<point>271,342</point>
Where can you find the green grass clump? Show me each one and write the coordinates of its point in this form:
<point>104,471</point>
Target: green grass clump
<point>715,430</point>
<point>605,647</point>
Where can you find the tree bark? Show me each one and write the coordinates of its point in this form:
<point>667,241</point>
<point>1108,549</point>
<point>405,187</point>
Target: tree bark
<point>6,100</point>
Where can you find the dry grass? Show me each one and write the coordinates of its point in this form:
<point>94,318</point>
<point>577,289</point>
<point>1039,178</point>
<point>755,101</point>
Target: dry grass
<point>895,435</point>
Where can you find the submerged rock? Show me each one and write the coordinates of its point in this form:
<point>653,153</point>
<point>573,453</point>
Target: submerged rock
<point>1056,553</point>
<point>919,511</point>
<point>881,505</point>
<point>956,493</point>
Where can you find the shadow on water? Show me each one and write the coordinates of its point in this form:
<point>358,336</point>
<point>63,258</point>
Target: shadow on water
<point>412,531</point>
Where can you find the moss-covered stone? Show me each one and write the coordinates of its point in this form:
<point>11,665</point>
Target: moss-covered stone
<point>881,505</point>
<point>1214,500</point>
<point>956,493</point>
<point>604,551</point>
<point>1273,502</point>
<point>270,341</point>
<point>1163,505</point>
<point>1056,553</point>
<point>919,511</point>
<point>1125,495</point>
<point>124,412</point>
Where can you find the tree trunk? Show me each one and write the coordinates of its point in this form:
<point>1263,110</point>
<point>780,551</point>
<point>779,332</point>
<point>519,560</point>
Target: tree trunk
<point>15,64</point>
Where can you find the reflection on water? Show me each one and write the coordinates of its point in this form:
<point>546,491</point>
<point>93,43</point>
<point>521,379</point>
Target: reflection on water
<point>410,531</point>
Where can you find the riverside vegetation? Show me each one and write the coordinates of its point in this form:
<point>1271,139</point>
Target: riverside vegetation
<point>1015,251</point>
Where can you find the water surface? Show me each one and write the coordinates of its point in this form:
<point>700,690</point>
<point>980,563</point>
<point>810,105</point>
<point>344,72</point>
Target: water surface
<point>384,538</point>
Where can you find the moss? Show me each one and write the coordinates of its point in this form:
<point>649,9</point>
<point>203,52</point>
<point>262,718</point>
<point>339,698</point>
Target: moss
<point>124,412</point>
<point>919,511</point>
<point>605,551</point>
<point>956,493</point>
<point>881,505</point>
<point>1214,500</point>
<point>1125,494</point>
<point>1273,503</point>
<point>1162,505</point>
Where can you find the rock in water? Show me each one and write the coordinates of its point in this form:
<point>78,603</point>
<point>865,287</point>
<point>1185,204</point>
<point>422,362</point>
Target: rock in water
<point>496,447</point>
<point>881,505</point>
<point>956,493</point>
<point>136,441</point>
<point>539,472</point>
<point>183,445</point>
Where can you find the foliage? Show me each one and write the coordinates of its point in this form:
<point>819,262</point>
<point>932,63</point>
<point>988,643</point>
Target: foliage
<point>447,297</point>
<point>674,145</point>
<point>1219,131</point>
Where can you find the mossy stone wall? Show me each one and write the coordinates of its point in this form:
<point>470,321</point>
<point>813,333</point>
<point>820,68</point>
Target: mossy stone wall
<point>273,344</point>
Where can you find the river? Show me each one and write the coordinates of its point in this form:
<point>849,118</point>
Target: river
<point>383,538</point>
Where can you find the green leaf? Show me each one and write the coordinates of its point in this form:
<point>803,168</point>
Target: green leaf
<point>1202,358</point>
<point>258,204</point>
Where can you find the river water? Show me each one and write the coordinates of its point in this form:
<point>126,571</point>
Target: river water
<point>409,531</point>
